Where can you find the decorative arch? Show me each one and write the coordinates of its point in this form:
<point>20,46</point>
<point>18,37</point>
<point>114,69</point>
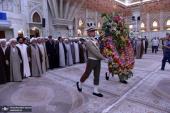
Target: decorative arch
<point>142,25</point>
<point>155,25</point>
<point>35,32</point>
<point>80,22</point>
<point>36,11</point>
<point>167,24</point>
<point>99,24</point>
<point>36,17</point>
<point>130,26</point>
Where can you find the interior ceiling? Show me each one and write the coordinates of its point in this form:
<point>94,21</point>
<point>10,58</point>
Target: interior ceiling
<point>125,6</point>
<point>132,2</point>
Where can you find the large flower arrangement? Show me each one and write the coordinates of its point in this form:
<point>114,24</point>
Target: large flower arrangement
<point>117,45</point>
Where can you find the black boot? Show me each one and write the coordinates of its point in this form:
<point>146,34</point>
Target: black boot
<point>162,69</point>
<point>98,94</point>
<point>124,81</point>
<point>106,76</point>
<point>78,88</point>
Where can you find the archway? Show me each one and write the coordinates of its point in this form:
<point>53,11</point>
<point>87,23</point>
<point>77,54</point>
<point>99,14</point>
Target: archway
<point>34,32</point>
<point>36,18</point>
<point>168,24</point>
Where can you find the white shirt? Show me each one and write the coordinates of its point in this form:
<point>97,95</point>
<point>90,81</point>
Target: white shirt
<point>155,42</point>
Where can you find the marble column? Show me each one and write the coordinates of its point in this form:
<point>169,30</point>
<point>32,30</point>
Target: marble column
<point>61,8</point>
<point>87,13</point>
<point>25,13</point>
<point>77,9</point>
<point>136,14</point>
<point>161,21</point>
<point>73,8</point>
<point>96,18</point>
<point>51,8</point>
<point>76,26</point>
<point>70,30</point>
<point>148,22</point>
<point>45,12</point>
<point>67,9</point>
<point>55,3</point>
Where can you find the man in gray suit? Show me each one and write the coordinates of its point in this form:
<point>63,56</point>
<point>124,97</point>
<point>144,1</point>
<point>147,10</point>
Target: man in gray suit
<point>94,60</point>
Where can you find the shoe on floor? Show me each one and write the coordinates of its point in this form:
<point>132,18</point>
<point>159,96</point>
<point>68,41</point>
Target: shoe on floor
<point>78,88</point>
<point>162,69</point>
<point>98,94</point>
<point>124,81</point>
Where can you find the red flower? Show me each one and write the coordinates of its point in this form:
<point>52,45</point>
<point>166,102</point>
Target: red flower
<point>116,19</point>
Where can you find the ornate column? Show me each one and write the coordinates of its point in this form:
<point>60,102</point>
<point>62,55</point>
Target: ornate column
<point>45,11</point>
<point>51,7</point>
<point>76,26</point>
<point>87,15</point>
<point>136,14</point>
<point>77,9</point>
<point>147,22</point>
<point>61,8</point>
<point>96,18</point>
<point>25,12</point>
<point>70,30</point>
<point>161,22</point>
<point>73,8</point>
<point>66,9</point>
<point>55,4</point>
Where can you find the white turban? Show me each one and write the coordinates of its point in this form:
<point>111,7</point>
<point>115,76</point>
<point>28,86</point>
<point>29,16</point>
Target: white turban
<point>13,39</point>
<point>32,39</point>
<point>3,40</point>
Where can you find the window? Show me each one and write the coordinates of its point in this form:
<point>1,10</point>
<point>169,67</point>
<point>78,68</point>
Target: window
<point>7,5</point>
<point>80,23</point>
<point>168,22</point>
<point>155,30</point>
<point>142,30</point>
<point>130,26</point>
<point>79,32</point>
<point>168,25</point>
<point>36,17</point>
<point>155,24</point>
<point>99,25</point>
<point>142,25</point>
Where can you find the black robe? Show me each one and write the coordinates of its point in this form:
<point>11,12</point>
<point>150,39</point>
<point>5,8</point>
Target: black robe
<point>73,53</point>
<point>81,53</point>
<point>3,76</point>
<point>50,46</point>
<point>7,54</point>
<point>57,54</point>
<point>65,52</point>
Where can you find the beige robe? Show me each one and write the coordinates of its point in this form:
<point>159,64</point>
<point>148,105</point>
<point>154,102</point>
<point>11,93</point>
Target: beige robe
<point>36,70</point>
<point>46,57</point>
<point>43,63</point>
<point>15,63</point>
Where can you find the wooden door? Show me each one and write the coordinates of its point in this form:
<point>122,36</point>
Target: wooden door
<point>2,34</point>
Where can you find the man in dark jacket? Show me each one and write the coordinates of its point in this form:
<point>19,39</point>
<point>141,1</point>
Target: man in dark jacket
<point>3,66</point>
<point>146,45</point>
<point>50,45</point>
<point>166,51</point>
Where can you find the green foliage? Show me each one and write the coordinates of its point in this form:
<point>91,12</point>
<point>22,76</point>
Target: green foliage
<point>115,26</point>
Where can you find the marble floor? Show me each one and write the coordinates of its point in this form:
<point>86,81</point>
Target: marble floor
<point>148,91</point>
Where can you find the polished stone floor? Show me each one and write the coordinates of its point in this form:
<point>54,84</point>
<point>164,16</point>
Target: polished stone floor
<point>55,92</point>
